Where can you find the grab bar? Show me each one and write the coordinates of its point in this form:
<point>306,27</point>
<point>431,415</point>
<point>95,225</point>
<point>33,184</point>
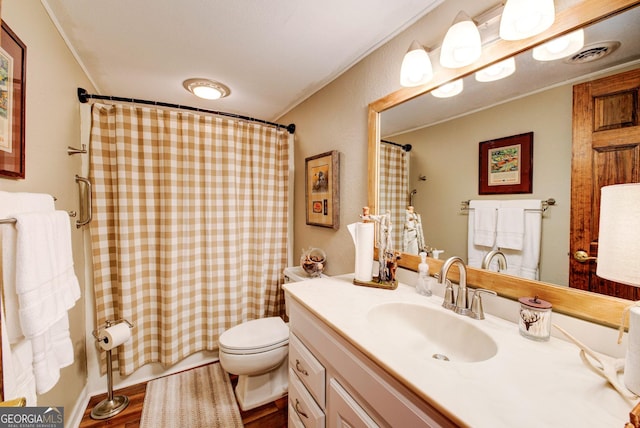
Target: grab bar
<point>87,202</point>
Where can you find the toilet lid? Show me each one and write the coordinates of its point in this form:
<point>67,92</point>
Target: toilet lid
<point>255,334</point>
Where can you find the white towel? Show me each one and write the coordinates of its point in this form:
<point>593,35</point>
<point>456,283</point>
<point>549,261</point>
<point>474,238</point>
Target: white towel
<point>525,263</point>
<point>17,361</point>
<point>484,221</point>
<point>45,280</point>
<point>510,228</point>
<point>476,252</point>
<point>47,288</point>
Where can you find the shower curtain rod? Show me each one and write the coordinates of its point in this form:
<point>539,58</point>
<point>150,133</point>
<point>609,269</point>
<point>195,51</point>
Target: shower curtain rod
<point>84,96</point>
<point>405,147</point>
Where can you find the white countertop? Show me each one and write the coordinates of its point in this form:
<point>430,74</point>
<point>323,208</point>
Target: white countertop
<point>526,384</point>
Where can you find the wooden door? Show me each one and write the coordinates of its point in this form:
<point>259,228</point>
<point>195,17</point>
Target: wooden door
<point>606,150</point>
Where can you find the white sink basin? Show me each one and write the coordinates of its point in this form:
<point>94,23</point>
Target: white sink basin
<point>431,333</point>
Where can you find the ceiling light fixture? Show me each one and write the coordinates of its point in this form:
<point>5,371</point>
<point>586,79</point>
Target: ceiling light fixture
<point>497,71</point>
<point>522,19</point>
<point>447,90</point>
<point>416,66</point>
<point>205,88</point>
<point>461,45</point>
<point>560,47</point>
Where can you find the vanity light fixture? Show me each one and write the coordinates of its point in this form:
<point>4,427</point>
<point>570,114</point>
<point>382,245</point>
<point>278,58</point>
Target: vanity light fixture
<point>497,71</point>
<point>560,47</point>
<point>206,89</point>
<point>447,90</point>
<point>461,45</point>
<point>522,19</point>
<point>416,66</point>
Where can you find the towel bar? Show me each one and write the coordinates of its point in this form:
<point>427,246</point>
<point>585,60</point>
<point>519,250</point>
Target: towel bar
<point>464,205</point>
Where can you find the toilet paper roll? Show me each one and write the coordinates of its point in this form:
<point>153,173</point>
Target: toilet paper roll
<point>632,361</point>
<point>114,336</point>
<point>363,237</point>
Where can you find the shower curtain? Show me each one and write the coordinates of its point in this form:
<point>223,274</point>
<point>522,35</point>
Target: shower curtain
<point>189,230</point>
<point>394,188</point>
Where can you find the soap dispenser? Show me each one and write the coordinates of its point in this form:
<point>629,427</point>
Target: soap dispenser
<point>423,287</point>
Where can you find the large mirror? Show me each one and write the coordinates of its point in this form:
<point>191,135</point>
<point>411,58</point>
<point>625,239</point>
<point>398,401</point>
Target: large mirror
<point>444,135</point>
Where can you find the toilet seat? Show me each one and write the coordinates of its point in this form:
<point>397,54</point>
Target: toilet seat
<point>255,336</point>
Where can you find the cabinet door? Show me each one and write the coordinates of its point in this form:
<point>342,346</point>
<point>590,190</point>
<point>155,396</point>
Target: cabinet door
<point>303,405</point>
<point>344,411</point>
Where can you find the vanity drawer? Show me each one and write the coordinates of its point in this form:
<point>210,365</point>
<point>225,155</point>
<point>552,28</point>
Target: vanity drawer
<point>345,410</point>
<point>303,405</point>
<point>310,371</point>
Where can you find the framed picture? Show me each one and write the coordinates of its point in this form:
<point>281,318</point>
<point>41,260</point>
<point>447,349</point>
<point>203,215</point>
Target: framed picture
<point>506,165</point>
<point>12,101</point>
<point>322,189</point>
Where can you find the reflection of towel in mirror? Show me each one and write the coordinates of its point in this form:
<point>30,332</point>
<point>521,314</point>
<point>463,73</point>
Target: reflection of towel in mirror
<point>525,262</point>
<point>510,227</point>
<point>481,232</point>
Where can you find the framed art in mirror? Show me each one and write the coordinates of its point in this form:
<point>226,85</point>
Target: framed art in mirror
<point>506,165</point>
<point>12,98</point>
<point>322,189</point>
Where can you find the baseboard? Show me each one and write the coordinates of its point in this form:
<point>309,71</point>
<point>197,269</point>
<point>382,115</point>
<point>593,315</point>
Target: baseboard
<point>75,418</point>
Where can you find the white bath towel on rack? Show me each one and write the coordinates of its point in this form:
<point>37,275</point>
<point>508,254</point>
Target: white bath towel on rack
<point>484,221</point>
<point>17,364</point>
<point>526,261</point>
<point>47,288</point>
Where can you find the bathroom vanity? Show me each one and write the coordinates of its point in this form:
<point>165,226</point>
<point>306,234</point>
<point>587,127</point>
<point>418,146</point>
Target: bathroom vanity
<point>362,356</point>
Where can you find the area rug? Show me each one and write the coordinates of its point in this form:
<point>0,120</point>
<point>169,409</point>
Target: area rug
<point>201,397</point>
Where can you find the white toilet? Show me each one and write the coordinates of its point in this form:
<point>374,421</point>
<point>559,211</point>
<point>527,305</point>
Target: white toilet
<point>257,352</point>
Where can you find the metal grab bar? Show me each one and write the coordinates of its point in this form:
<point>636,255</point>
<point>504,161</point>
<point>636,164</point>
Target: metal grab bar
<point>87,202</point>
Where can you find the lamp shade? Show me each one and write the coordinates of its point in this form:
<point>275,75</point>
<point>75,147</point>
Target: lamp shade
<point>522,19</point>
<point>619,236</point>
<point>416,66</point>
<point>497,71</point>
<point>461,45</point>
<point>447,90</point>
<point>560,47</point>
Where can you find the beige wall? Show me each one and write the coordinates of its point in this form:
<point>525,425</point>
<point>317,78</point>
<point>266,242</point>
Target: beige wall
<point>52,123</point>
<point>335,118</point>
<point>447,154</point>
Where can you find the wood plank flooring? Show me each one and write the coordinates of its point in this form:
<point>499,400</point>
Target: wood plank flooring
<point>272,415</point>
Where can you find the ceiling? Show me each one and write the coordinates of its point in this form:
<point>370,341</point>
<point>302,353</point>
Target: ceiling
<point>272,54</point>
<point>530,76</point>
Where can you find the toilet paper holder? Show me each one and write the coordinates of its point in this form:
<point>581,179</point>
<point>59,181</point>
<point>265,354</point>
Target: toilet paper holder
<point>108,324</point>
<point>112,405</point>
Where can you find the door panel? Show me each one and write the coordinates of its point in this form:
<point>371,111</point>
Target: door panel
<point>606,151</point>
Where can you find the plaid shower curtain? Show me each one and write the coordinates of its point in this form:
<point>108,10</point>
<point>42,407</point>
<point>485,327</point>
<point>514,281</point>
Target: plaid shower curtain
<point>394,188</point>
<point>189,230</point>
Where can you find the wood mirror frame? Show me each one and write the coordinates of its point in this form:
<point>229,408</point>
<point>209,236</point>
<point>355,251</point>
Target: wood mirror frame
<point>585,305</point>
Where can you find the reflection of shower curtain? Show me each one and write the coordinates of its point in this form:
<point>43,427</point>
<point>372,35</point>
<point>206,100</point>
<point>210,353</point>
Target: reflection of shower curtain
<point>189,233</point>
<point>394,187</point>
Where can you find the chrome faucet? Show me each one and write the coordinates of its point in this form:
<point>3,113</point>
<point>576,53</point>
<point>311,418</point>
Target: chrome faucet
<point>460,306</point>
<point>499,255</point>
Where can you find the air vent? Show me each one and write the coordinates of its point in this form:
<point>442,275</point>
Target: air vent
<point>593,52</point>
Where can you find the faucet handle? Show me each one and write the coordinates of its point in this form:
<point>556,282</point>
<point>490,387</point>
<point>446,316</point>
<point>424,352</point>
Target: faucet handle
<point>448,302</point>
<point>477,311</point>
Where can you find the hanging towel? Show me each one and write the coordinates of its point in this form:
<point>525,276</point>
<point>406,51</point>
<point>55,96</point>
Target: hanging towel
<point>17,361</point>
<point>478,248</point>
<point>47,288</point>
<point>510,227</point>
<point>525,262</point>
<point>484,221</point>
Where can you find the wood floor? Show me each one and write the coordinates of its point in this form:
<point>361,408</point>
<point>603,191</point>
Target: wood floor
<point>272,415</point>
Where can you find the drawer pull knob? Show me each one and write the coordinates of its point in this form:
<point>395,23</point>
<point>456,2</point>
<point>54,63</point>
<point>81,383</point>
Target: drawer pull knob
<point>299,410</point>
<point>300,368</point>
